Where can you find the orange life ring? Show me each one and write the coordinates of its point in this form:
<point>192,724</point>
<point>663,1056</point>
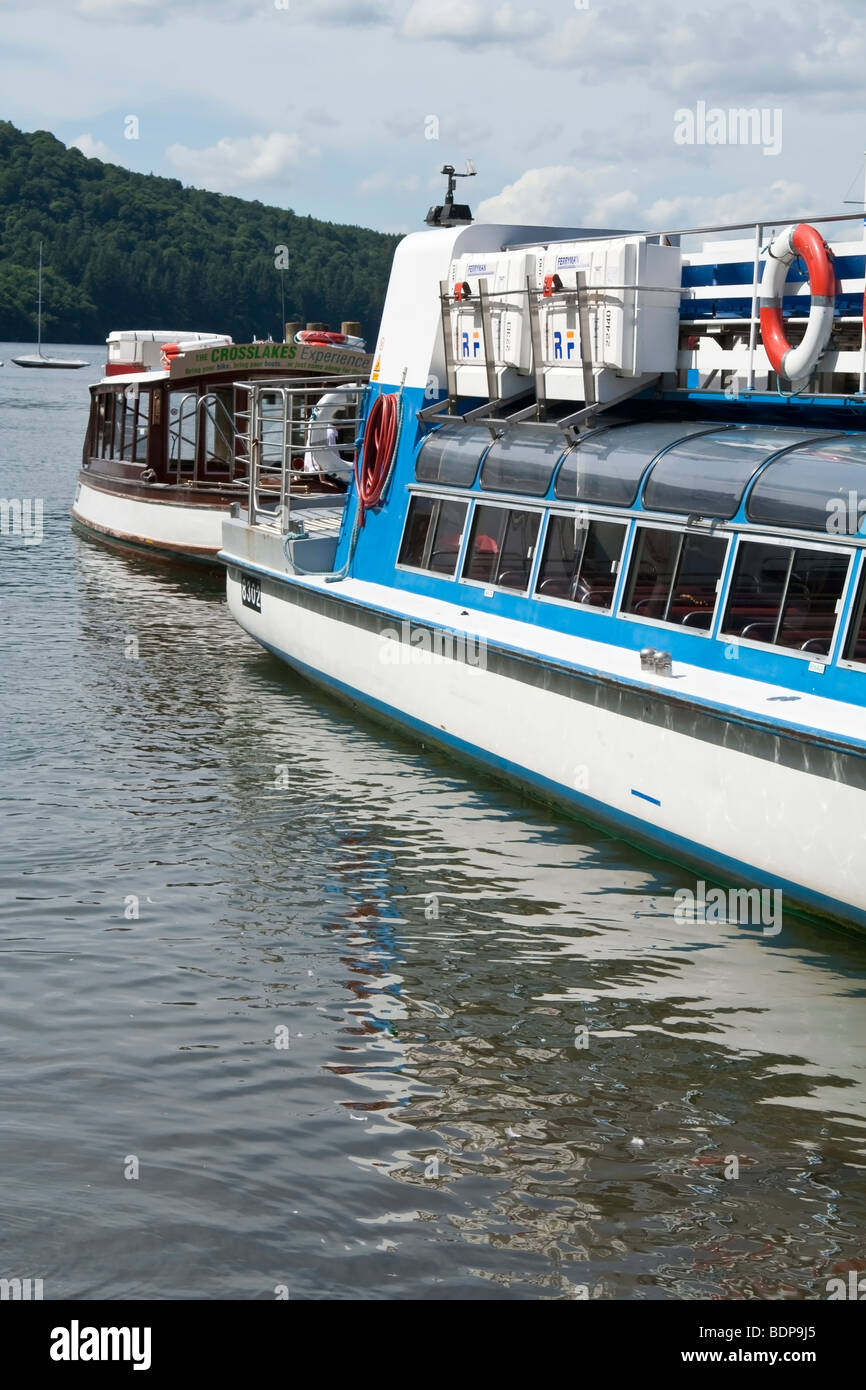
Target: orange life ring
<point>800,240</point>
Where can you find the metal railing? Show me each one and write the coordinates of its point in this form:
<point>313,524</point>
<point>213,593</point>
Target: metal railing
<point>195,408</point>
<point>290,440</point>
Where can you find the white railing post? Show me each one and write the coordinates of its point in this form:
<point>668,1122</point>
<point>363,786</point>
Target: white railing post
<point>753,326</point>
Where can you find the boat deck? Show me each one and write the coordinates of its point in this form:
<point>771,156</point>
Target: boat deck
<point>319,522</point>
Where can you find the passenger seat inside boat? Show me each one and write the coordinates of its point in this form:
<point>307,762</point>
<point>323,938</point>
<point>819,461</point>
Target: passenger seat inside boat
<point>785,596</point>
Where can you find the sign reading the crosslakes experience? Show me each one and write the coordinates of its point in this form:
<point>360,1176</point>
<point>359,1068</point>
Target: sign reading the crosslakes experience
<point>286,357</point>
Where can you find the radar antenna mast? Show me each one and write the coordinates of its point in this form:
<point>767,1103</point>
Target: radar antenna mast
<point>451,214</point>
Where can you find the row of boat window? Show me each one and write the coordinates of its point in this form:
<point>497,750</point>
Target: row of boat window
<point>783,595</point>
<point>794,477</point>
<point>121,422</point>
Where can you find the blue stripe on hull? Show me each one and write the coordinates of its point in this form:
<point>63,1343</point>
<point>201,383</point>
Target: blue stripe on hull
<point>733,713</point>
<point>672,847</point>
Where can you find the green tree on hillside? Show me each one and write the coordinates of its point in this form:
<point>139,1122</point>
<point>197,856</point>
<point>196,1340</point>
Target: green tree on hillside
<point>125,250</point>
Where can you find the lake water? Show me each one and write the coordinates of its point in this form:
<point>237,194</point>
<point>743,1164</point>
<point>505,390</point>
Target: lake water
<point>363,1022</point>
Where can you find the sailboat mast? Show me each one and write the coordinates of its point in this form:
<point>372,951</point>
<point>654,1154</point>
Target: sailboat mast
<point>39,310</point>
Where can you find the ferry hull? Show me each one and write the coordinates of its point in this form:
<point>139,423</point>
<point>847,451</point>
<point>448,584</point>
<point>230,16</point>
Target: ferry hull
<point>166,527</point>
<point>742,805</point>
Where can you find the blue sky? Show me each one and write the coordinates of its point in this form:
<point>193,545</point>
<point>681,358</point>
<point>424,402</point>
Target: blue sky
<point>567,107</point>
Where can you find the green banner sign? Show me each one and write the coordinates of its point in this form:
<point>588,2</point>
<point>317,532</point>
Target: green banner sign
<point>284,357</point>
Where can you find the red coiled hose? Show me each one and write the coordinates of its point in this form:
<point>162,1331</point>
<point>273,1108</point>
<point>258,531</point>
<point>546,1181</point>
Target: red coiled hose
<point>373,464</point>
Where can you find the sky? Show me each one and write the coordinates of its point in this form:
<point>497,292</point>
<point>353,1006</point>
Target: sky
<point>603,113</point>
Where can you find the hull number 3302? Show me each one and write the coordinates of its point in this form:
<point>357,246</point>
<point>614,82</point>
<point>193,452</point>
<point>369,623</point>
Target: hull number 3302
<point>251,593</point>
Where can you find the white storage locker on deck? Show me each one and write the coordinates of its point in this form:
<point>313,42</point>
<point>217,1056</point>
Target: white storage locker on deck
<point>632,308</point>
<point>505,273</point>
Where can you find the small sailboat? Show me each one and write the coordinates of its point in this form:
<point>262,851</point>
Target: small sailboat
<point>38,358</point>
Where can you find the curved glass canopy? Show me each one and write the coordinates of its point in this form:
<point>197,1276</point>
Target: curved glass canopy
<point>451,454</point>
<point>799,478</point>
<point>817,487</point>
<point>606,467</point>
<point>523,459</point>
<point>708,475</point>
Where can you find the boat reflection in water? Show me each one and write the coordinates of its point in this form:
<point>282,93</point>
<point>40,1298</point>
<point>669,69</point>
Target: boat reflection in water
<point>510,1063</point>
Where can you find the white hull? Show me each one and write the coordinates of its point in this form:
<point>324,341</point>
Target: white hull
<point>37,360</point>
<point>169,527</point>
<point>767,823</point>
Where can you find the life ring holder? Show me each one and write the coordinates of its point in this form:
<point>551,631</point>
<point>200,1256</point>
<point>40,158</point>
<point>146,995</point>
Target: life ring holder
<point>800,239</point>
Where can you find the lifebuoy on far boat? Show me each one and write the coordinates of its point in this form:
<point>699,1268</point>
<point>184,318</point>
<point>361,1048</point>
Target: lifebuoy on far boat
<point>321,453</point>
<point>797,240</point>
<point>322,337</point>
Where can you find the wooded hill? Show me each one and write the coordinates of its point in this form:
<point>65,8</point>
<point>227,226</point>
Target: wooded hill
<point>125,250</point>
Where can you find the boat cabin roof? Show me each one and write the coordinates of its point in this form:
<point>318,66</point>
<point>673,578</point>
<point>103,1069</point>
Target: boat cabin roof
<point>158,335</point>
<point>775,475</point>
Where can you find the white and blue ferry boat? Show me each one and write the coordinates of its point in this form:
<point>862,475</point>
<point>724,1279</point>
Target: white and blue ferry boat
<point>606,535</point>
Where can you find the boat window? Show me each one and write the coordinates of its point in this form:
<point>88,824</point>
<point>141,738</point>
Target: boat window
<point>785,596</point>
<point>108,430</point>
<point>101,406</point>
<point>139,451</point>
<point>116,444</point>
<point>501,547</point>
<point>128,405</point>
<point>451,455</point>
<point>674,576</point>
<point>218,412</point>
<point>523,460</point>
<point>104,425</point>
<point>607,466</point>
<point>581,560</point>
<point>709,474</point>
<point>855,647</point>
<point>434,529</point>
<point>817,488</point>
<point>181,427</point>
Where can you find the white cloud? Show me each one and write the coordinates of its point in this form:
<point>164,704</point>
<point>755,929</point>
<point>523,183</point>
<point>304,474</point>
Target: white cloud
<point>462,20</point>
<point>553,194</point>
<point>778,200</point>
<point>231,163</point>
<point>558,195</point>
<point>454,124</point>
<point>348,13</point>
<point>614,210</point>
<point>385,180</point>
<point>352,13</point>
<point>756,54</point>
<point>116,9</point>
<point>524,87</point>
<point>148,12</point>
<point>694,50</point>
<point>93,149</point>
